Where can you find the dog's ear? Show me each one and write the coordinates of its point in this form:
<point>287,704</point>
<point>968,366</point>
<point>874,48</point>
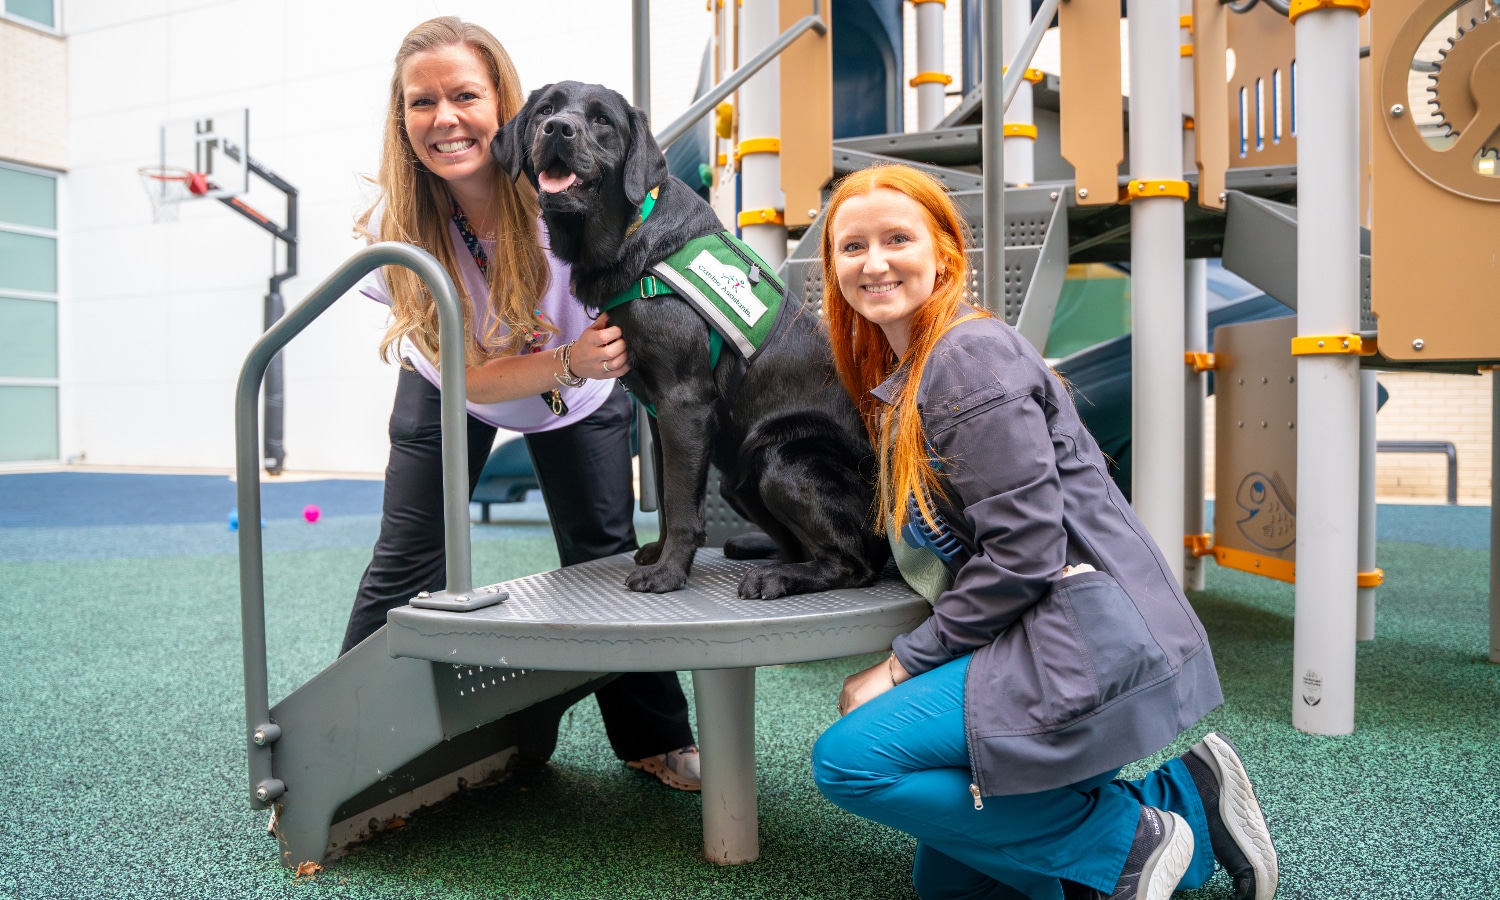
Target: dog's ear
<point>509,146</point>
<point>645,166</point>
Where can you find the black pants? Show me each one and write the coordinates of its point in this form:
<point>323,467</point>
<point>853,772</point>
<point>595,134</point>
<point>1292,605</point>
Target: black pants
<point>584,472</point>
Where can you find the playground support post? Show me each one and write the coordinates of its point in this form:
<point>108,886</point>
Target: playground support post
<point>931,88</point>
<point>1368,404</point>
<point>640,92</point>
<point>1020,149</point>
<point>1157,262</point>
<point>992,160</point>
<point>1194,399</point>
<point>1323,646</point>
<point>761,204</point>
<point>1495,515</point>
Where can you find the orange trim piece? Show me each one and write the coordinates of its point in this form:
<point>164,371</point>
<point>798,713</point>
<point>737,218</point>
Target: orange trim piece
<point>1306,6</point>
<point>757,145</point>
<point>1185,50</point>
<point>723,159</point>
<point>1185,22</point>
<point>1035,76</point>
<point>1255,564</point>
<point>761,217</point>
<point>1333,345</point>
<point>931,78</point>
<point>915,2</point>
<point>1372,579</point>
<point>1138,189</point>
<point>1019,129</point>
<point>1199,544</point>
<point>1188,124</point>
<point>1200,361</point>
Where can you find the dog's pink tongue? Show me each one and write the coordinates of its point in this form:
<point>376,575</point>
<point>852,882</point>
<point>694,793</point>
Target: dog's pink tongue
<point>554,183</point>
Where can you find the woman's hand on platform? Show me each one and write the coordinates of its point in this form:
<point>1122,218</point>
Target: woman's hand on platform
<point>862,687</point>
<point>600,351</point>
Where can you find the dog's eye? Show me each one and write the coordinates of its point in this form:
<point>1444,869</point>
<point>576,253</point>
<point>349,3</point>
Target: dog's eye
<point>544,110</point>
<point>602,120</point>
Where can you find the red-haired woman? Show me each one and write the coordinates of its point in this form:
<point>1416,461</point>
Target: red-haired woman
<point>1060,647</point>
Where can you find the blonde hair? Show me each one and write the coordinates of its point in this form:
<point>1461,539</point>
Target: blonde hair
<point>418,207</point>
<point>864,357</point>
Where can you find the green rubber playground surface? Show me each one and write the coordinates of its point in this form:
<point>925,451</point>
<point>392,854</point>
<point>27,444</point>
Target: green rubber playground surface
<point>122,768</point>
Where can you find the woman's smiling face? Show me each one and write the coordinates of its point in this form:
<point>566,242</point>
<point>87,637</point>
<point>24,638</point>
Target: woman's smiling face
<point>452,112</point>
<point>886,260</point>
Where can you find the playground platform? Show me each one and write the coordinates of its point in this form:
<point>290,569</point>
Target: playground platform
<point>122,750</point>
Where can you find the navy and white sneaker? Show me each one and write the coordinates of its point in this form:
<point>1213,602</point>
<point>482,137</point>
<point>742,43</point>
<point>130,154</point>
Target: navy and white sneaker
<point>1236,826</point>
<point>1159,856</point>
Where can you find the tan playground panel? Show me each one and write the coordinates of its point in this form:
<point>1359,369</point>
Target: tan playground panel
<point>1255,442</point>
<point>1092,128</point>
<point>806,116</point>
<point>1210,23</point>
<point>1265,47</point>
<point>1435,257</point>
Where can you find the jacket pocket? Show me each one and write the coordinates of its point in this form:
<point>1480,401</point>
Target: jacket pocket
<point>1119,645</point>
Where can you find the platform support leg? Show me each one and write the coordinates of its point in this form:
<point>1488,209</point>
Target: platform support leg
<point>1323,657</point>
<point>1365,617</point>
<point>1495,516</point>
<point>725,701</point>
<point>1195,291</point>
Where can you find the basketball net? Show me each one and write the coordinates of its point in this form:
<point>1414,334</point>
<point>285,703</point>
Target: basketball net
<point>168,187</point>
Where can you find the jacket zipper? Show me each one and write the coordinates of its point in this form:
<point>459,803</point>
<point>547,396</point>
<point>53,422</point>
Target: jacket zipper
<point>978,801</point>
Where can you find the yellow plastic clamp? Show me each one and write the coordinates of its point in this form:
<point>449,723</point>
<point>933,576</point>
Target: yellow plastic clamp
<point>1019,129</point>
<point>1185,50</point>
<point>915,2</point>
<point>930,78</point>
<point>1035,76</point>
<point>1188,124</point>
<point>1199,544</point>
<point>724,119</point>
<point>1332,344</point>
<point>1185,22</point>
<point>1372,579</point>
<point>1200,361</point>
<point>757,145</point>
<point>1138,189</point>
<point>761,217</point>
<point>1255,564</point>
<point>1306,6</point>
<point>723,159</point>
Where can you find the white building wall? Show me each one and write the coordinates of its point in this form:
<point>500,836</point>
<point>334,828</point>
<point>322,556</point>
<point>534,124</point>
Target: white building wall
<point>159,317</point>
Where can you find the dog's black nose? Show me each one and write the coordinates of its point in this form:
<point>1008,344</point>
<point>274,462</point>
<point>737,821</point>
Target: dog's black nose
<point>559,125</point>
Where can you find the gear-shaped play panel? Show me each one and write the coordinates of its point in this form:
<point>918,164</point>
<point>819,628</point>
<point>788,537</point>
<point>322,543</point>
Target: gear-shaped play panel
<point>581,618</point>
<point>1466,92</point>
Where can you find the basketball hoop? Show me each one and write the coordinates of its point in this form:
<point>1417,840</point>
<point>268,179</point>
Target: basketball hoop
<point>168,186</point>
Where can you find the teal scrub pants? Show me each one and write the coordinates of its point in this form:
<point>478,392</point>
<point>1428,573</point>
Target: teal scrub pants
<point>902,760</point>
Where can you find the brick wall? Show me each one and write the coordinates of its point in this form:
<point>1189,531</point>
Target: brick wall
<point>33,97</point>
<point>1422,407</point>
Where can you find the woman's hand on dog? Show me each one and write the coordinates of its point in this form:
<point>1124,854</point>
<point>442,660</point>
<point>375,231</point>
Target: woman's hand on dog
<point>600,351</point>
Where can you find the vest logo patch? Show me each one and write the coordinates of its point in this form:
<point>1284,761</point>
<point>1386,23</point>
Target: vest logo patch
<point>731,284</point>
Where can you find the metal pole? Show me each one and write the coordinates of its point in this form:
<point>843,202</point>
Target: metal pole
<point>1194,567</point>
<point>725,700</point>
<point>1020,151</point>
<point>992,159</point>
<point>1365,602</point>
<point>971,46</point>
<point>761,200</point>
<point>713,98</point>
<point>273,442</point>
<point>1158,327</point>
<point>260,731</point>
<point>1495,515</point>
<point>640,33</point>
<point>1327,385</point>
<point>930,94</point>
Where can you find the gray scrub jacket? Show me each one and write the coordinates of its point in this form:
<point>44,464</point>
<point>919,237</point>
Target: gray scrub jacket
<point>1070,677</point>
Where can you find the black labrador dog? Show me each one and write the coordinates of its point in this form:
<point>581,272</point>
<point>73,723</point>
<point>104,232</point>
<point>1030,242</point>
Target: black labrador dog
<point>794,456</point>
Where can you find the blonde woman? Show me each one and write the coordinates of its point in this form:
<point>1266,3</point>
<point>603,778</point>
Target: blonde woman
<point>535,362</point>
<point>1059,649</point>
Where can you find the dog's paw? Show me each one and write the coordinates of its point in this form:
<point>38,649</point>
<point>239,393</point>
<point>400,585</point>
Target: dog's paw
<point>648,554</point>
<point>750,545</point>
<point>764,583</point>
<point>655,579</point>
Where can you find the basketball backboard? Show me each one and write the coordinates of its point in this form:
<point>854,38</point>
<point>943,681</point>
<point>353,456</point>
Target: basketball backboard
<point>216,144</point>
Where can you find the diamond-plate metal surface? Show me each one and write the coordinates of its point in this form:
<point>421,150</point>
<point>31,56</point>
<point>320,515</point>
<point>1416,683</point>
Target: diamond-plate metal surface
<point>582,618</point>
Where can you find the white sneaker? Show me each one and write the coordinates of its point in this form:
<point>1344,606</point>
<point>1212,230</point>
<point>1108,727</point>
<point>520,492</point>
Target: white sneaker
<point>676,768</point>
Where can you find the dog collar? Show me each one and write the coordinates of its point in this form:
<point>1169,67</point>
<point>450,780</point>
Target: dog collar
<point>648,204</point>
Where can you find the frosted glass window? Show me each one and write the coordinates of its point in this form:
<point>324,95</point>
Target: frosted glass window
<point>28,262</point>
<point>28,338</point>
<point>27,198</point>
<point>40,11</point>
<point>30,417</point>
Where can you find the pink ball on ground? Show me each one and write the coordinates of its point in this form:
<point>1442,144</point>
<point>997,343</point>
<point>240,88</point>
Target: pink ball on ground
<point>311,513</point>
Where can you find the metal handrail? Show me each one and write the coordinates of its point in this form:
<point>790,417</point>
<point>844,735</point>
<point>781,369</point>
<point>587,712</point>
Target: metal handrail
<point>1444,447</point>
<point>260,731</point>
<point>733,80</point>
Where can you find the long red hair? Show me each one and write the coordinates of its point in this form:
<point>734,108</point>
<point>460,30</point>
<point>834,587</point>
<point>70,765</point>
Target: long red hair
<point>864,357</point>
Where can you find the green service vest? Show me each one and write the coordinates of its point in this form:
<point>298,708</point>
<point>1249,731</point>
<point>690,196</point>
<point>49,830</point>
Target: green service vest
<point>726,283</point>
